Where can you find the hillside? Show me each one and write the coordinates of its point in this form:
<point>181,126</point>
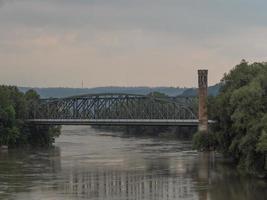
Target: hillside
<point>64,92</point>
<point>212,91</point>
<point>170,91</point>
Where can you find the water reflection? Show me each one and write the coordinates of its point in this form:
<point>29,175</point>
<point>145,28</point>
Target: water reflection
<point>119,183</point>
<point>21,170</point>
<point>91,164</point>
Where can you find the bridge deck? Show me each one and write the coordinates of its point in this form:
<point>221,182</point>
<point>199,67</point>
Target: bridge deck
<point>118,122</point>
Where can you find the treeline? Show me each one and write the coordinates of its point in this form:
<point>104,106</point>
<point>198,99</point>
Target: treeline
<point>169,91</point>
<point>66,92</point>
<point>15,108</point>
<point>240,111</point>
<point>212,91</point>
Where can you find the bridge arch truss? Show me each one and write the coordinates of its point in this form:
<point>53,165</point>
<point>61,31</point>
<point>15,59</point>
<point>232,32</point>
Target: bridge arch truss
<point>116,106</point>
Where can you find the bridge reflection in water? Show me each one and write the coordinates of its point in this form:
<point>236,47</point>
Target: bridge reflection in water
<point>129,185</point>
<point>44,172</point>
<point>99,166</point>
<point>113,183</point>
<point>150,171</point>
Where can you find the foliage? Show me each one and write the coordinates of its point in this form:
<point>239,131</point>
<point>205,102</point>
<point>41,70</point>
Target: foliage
<point>15,107</point>
<point>204,141</point>
<point>212,91</point>
<point>158,95</point>
<point>262,144</point>
<point>43,135</point>
<point>240,111</point>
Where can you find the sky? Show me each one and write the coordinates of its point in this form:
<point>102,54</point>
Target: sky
<point>62,43</point>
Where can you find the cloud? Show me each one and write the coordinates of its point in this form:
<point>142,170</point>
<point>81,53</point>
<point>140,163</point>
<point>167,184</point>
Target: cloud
<point>2,2</point>
<point>187,17</point>
<point>125,42</point>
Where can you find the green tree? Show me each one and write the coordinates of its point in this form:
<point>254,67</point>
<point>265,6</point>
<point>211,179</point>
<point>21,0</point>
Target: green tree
<point>240,111</point>
<point>158,95</point>
<point>15,108</point>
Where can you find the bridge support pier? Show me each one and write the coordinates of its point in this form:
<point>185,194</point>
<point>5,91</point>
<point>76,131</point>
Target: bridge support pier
<point>202,95</point>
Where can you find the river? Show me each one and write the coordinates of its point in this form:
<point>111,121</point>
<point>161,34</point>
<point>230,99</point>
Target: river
<point>87,163</point>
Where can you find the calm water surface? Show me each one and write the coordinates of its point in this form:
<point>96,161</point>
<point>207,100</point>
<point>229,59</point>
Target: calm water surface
<point>91,164</point>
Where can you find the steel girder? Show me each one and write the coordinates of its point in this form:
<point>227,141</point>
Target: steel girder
<point>116,106</point>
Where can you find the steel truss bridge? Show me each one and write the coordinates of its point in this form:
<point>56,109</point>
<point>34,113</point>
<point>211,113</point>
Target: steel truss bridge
<point>116,109</point>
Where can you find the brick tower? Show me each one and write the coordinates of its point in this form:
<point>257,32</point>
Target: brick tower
<point>202,95</point>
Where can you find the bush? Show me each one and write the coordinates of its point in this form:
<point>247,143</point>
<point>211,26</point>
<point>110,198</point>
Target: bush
<point>204,141</point>
<point>240,111</point>
<point>15,107</point>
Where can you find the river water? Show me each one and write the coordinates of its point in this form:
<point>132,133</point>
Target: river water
<point>101,165</point>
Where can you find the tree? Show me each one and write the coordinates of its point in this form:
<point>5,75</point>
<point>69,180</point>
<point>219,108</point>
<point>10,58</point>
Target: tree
<point>158,95</point>
<point>15,108</point>
<point>240,111</point>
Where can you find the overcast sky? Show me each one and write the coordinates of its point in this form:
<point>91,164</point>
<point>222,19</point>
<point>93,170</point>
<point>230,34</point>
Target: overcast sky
<point>127,42</point>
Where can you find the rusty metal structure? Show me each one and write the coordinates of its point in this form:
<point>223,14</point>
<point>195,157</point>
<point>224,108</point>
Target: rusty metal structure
<point>116,109</point>
<point>126,109</point>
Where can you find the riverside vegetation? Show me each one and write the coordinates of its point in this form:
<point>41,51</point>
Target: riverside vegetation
<point>15,107</point>
<point>240,111</point>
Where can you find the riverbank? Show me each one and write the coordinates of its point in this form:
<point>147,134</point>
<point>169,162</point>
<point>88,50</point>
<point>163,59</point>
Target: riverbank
<point>15,108</point>
<point>240,112</point>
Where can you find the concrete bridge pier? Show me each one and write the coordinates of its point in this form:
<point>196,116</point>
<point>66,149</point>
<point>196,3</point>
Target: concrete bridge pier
<point>202,95</point>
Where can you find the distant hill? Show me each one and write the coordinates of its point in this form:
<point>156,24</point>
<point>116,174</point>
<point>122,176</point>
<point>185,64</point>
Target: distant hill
<point>212,91</point>
<point>65,92</point>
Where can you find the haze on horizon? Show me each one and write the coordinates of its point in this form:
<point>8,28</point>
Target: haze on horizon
<point>127,42</point>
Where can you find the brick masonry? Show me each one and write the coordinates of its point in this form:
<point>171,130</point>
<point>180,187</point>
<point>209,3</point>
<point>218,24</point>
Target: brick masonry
<point>202,93</point>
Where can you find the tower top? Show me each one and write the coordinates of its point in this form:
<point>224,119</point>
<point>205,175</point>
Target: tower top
<point>203,72</point>
<point>202,78</point>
